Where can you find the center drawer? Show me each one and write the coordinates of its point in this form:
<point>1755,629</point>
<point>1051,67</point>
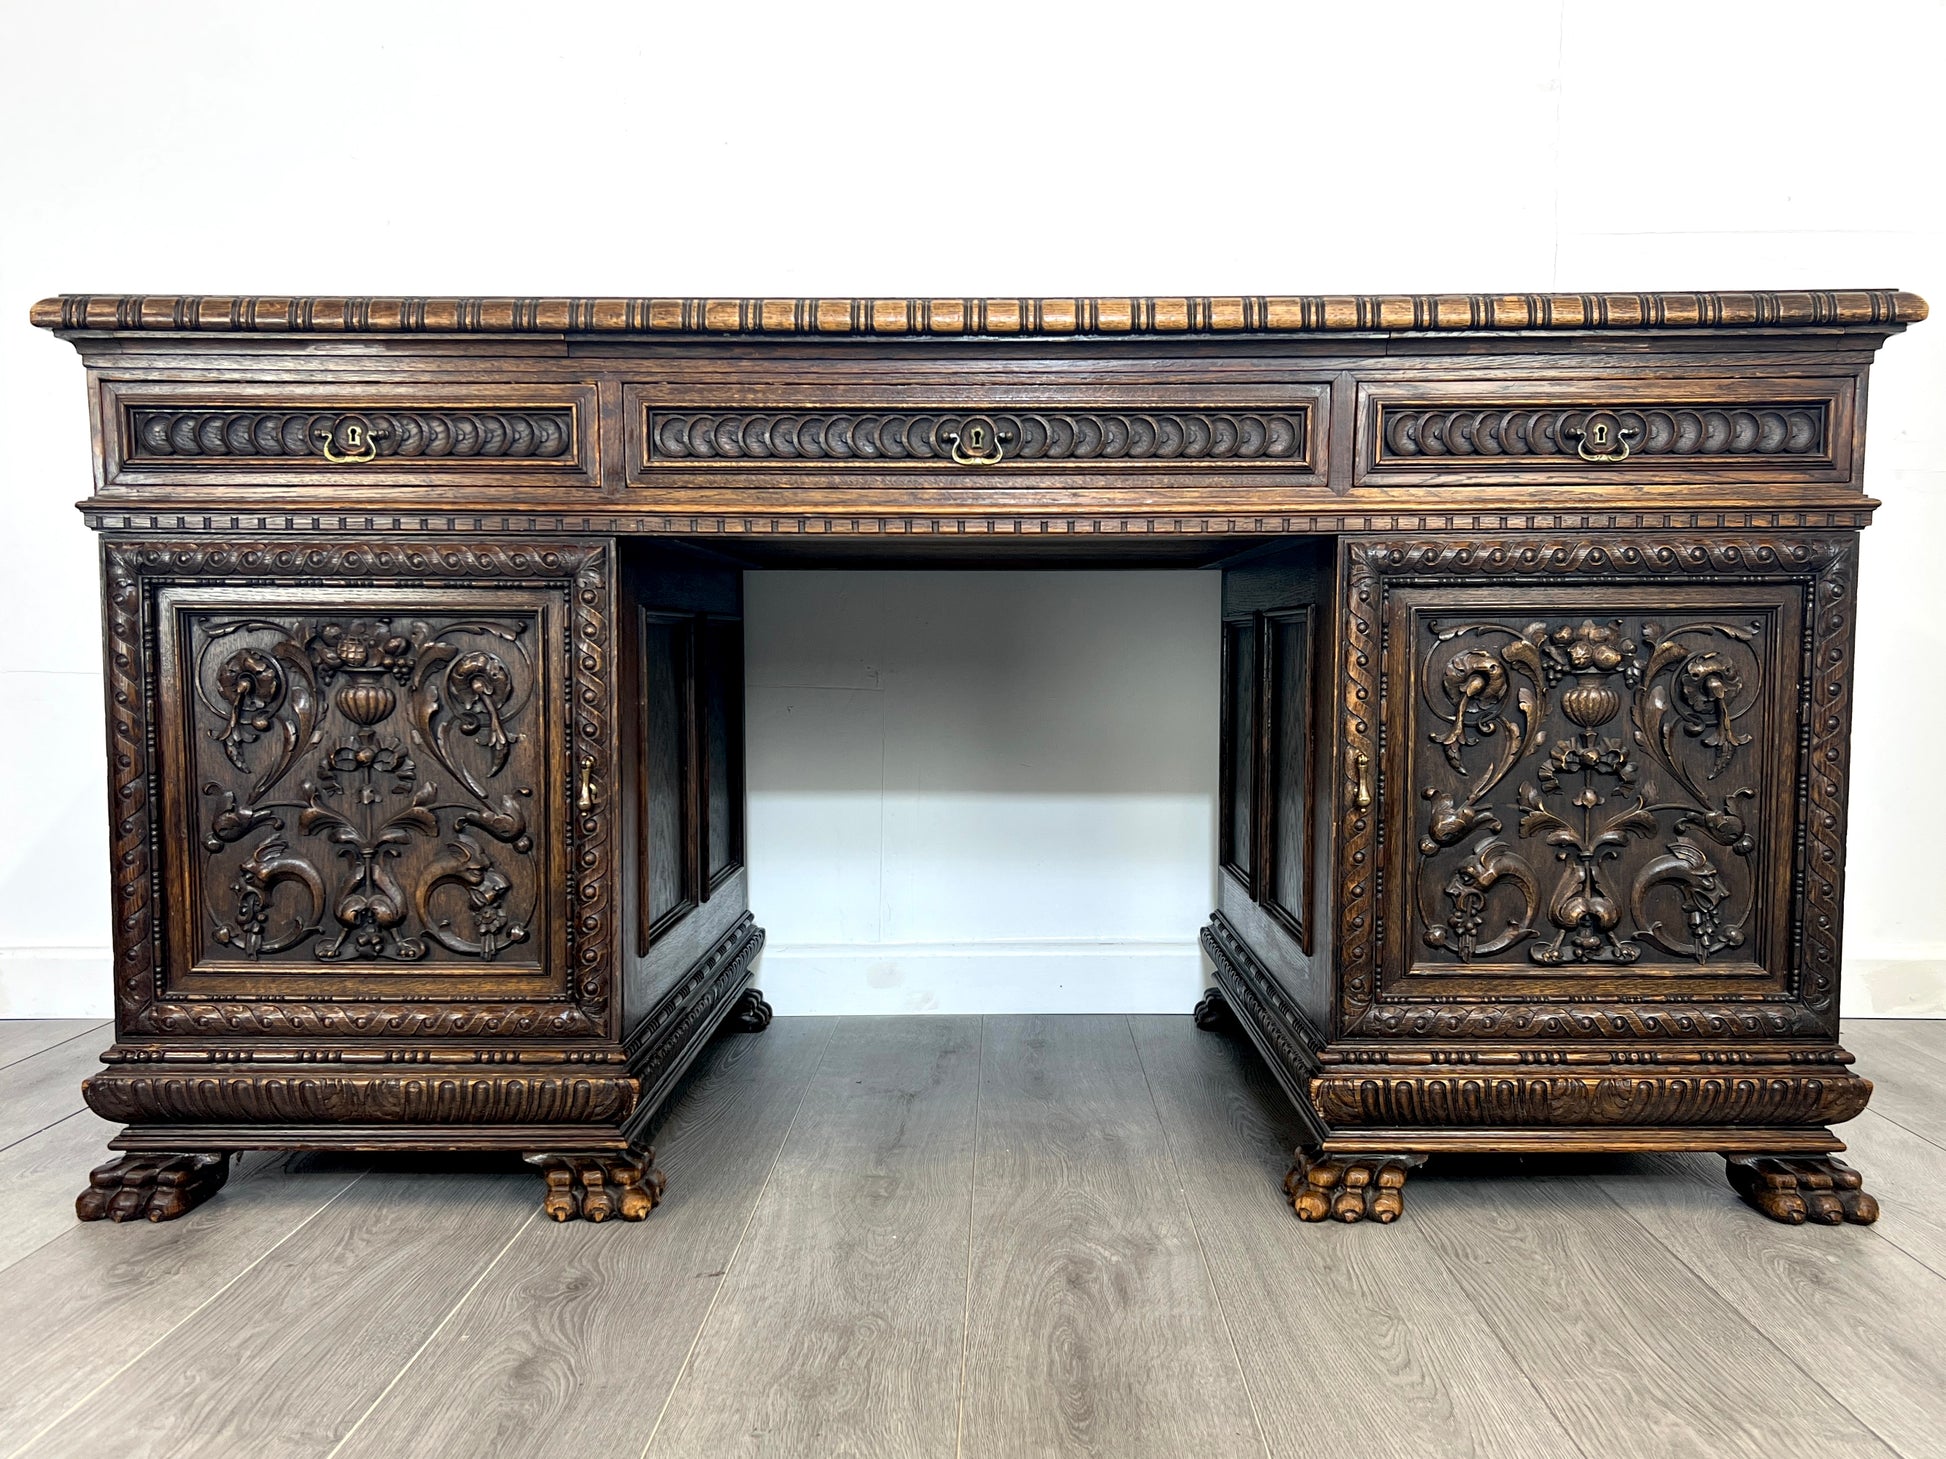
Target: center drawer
<point>679,431</point>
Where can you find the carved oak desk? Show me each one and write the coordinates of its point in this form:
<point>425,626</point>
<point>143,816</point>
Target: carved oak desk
<point>424,681</point>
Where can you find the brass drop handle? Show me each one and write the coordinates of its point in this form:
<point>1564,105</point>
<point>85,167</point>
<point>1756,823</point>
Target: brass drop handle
<point>1602,437</point>
<point>977,442</point>
<point>586,799</point>
<point>348,441</point>
<point>1362,793</point>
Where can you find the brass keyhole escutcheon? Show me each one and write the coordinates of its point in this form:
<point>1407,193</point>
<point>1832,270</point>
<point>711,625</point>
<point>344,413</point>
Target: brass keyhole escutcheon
<point>347,441</point>
<point>1602,437</point>
<point>974,442</point>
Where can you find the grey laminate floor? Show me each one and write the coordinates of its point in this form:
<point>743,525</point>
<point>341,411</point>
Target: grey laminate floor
<point>1004,1236</point>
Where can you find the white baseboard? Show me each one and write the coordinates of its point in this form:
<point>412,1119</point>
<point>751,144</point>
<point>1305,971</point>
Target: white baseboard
<point>56,982</point>
<point>966,977</point>
<point>983,977</point>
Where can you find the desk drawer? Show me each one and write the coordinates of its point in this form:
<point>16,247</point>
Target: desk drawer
<point>475,435</point>
<point>1249,430</point>
<point>1465,432</point>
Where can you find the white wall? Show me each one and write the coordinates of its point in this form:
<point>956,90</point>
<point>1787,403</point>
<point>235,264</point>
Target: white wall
<point>1013,149</point>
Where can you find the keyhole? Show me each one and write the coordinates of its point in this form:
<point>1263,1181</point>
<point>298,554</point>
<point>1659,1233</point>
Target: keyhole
<point>976,438</point>
<point>354,436</point>
<point>1601,433</point>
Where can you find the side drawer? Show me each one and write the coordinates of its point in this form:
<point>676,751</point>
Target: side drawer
<point>982,436</point>
<point>1471,432</point>
<point>348,435</point>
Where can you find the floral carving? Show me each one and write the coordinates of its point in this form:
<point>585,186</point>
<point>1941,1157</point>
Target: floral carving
<point>1542,698</point>
<point>366,854</point>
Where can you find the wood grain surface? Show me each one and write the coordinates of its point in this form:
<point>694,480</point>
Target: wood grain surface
<point>557,1350</point>
<point>23,1037</point>
<point>1390,1346</point>
<point>1009,1237</point>
<point>1092,1327</point>
<point>838,1329</point>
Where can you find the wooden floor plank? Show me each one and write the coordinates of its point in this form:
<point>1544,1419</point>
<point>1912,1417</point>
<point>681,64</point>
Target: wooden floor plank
<point>1630,1350</point>
<point>286,1359</point>
<point>1861,1319</point>
<point>1092,1325</point>
<point>837,1328</point>
<point>1906,1061</point>
<point>21,1038</point>
<point>78,1308</point>
<point>573,1342</point>
<point>1339,1319</point>
<point>41,1175</point>
<point>43,1088</point>
<point>1907,1175</point>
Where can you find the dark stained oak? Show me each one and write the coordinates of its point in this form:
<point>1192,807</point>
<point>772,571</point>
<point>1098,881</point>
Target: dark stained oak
<point>422,632</point>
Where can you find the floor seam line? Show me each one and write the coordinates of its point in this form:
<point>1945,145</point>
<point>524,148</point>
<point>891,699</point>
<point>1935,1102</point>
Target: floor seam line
<point>729,1264</point>
<point>1735,1307</point>
<point>1900,1124</point>
<point>972,1198</point>
<point>189,1316</point>
<point>1196,1231</point>
<point>1486,1323</point>
<point>63,1043</point>
<point>438,1327</point>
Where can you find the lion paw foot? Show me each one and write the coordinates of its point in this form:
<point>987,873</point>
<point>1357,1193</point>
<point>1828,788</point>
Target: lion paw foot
<point>1212,1010</point>
<point>1349,1187</point>
<point>596,1187</point>
<point>1799,1188</point>
<point>160,1187</point>
<point>751,1013</point>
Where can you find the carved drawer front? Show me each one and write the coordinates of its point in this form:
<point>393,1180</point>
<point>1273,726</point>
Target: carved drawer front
<point>444,435</point>
<point>363,791</point>
<point>1592,790</point>
<point>1243,431</point>
<point>1636,430</point>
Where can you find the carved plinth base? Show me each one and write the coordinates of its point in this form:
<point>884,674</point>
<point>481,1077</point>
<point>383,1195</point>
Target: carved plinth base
<point>751,1013</point>
<point>1212,1010</point>
<point>160,1187</point>
<point>1349,1187</point>
<point>1796,1189</point>
<point>596,1187</point>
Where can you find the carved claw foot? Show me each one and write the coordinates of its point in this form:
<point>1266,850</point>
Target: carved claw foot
<point>1212,1010</point>
<point>158,1186</point>
<point>751,1013</point>
<point>1349,1187</point>
<point>1799,1188</point>
<point>596,1187</point>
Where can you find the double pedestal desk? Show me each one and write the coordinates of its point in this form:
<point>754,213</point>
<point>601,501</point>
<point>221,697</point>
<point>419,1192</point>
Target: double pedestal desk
<point>423,653</point>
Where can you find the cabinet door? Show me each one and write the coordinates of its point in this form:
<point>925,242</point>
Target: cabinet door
<point>380,796</point>
<point>1594,788</point>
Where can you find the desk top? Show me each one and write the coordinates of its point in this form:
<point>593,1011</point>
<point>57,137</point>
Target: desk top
<point>1289,314</point>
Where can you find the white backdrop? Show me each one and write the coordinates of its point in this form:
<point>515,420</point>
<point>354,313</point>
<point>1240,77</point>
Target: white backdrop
<point>1004,149</point>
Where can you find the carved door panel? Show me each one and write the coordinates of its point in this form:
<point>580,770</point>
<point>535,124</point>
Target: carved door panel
<point>365,791</point>
<point>1590,790</point>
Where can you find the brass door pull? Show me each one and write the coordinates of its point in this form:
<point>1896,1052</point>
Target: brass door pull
<point>586,799</point>
<point>1362,795</point>
<point>977,442</point>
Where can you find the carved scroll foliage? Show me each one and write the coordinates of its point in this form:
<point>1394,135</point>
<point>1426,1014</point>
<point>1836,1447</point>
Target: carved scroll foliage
<point>375,754</point>
<point>1542,698</point>
<point>575,575</point>
<point>1820,568</point>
